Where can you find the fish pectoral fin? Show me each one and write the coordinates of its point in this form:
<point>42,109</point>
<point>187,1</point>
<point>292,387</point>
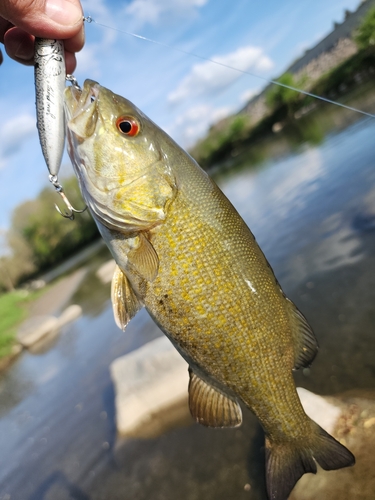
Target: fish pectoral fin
<point>210,407</point>
<point>124,301</point>
<point>304,341</point>
<point>143,258</point>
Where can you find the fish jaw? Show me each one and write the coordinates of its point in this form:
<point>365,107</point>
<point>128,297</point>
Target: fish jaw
<point>78,101</point>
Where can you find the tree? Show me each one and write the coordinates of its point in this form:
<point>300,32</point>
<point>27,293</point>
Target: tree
<point>50,236</point>
<point>365,34</point>
<point>279,96</point>
<point>40,238</point>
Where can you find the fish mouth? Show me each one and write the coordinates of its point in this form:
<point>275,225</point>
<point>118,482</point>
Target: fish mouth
<point>79,101</point>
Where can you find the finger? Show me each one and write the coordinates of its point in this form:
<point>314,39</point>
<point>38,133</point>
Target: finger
<point>61,19</point>
<point>19,45</point>
<point>75,43</point>
<point>4,26</point>
<point>70,62</point>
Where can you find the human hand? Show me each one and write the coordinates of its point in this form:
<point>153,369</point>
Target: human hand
<point>22,20</point>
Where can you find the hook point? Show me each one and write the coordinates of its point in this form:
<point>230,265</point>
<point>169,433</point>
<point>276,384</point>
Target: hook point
<point>69,214</point>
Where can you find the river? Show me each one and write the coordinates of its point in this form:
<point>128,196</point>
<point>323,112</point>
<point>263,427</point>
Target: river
<point>312,210</point>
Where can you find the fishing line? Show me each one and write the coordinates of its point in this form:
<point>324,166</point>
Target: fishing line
<point>90,19</point>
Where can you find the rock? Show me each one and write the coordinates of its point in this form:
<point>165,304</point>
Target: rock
<point>350,419</point>
<point>324,411</point>
<point>105,272</point>
<point>148,382</point>
<point>70,314</point>
<point>277,127</point>
<point>35,328</point>
<point>45,343</point>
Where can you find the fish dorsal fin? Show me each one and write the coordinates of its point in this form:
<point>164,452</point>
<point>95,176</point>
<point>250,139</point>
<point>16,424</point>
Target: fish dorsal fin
<point>304,341</point>
<point>143,259</point>
<point>124,301</point>
<point>211,407</point>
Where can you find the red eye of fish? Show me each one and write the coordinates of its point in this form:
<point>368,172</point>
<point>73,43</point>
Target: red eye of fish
<point>127,126</point>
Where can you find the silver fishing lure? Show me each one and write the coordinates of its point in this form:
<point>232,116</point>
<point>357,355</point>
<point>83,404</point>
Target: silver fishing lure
<point>49,71</point>
<point>49,89</point>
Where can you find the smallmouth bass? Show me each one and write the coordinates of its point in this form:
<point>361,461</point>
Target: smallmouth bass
<point>184,253</point>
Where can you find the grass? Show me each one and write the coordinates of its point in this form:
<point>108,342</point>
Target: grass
<point>14,309</point>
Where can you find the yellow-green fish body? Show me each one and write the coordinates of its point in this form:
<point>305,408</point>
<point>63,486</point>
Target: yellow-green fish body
<point>185,254</point>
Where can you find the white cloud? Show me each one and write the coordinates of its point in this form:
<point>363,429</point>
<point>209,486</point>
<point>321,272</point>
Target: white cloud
<point>196,121</point>
<point>207,77</point>
<point>151,11</point>
<point>14,133</point>
<point>88,62</point>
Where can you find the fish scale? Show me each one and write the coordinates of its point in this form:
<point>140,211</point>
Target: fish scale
<point>184,253</point>
<point>228,307</point>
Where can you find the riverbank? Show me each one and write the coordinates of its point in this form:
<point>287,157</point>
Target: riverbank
<point>234,135</point>
<point>41,303</point>
<point>32,315</point>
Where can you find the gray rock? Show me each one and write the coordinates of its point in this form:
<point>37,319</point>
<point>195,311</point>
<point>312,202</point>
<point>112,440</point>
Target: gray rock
<point>325,411</point>
<point>35,328</point>
<point>70,314</point>
<point>147,382</point>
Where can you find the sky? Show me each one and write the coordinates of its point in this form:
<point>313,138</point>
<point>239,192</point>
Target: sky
<point>181,93</point>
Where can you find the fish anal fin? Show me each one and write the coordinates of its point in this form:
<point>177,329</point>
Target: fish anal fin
<point>304,341</point>
<point>142,258</point>
<point>210,407</point>
<point>286,462</point>
<point>124,301</point>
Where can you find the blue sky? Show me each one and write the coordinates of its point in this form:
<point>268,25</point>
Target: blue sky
<point>181,93</point>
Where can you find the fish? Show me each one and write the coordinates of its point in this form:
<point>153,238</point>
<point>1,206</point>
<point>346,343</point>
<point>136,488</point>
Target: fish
<point>49,76</point>
<point>183,252</point>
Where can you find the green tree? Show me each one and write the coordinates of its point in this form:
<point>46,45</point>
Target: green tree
<point>40,238</point>
<point>19,263</point>
<point>50,236</point>
<point>238,127</point>
<point>365,34</point>
<point>279,96</point>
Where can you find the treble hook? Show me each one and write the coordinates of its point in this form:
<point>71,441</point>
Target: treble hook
<point>71,210</point>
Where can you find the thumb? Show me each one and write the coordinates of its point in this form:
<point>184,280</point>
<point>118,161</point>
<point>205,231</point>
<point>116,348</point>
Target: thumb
<point>44,18</point>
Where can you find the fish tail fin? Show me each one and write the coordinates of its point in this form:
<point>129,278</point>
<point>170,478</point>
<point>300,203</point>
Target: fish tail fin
<point>288,461</point>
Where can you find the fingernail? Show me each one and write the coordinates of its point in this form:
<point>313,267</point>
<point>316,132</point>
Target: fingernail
<point>63,12</point>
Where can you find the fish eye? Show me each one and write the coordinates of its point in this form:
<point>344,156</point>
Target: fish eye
<point>127,126</point>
